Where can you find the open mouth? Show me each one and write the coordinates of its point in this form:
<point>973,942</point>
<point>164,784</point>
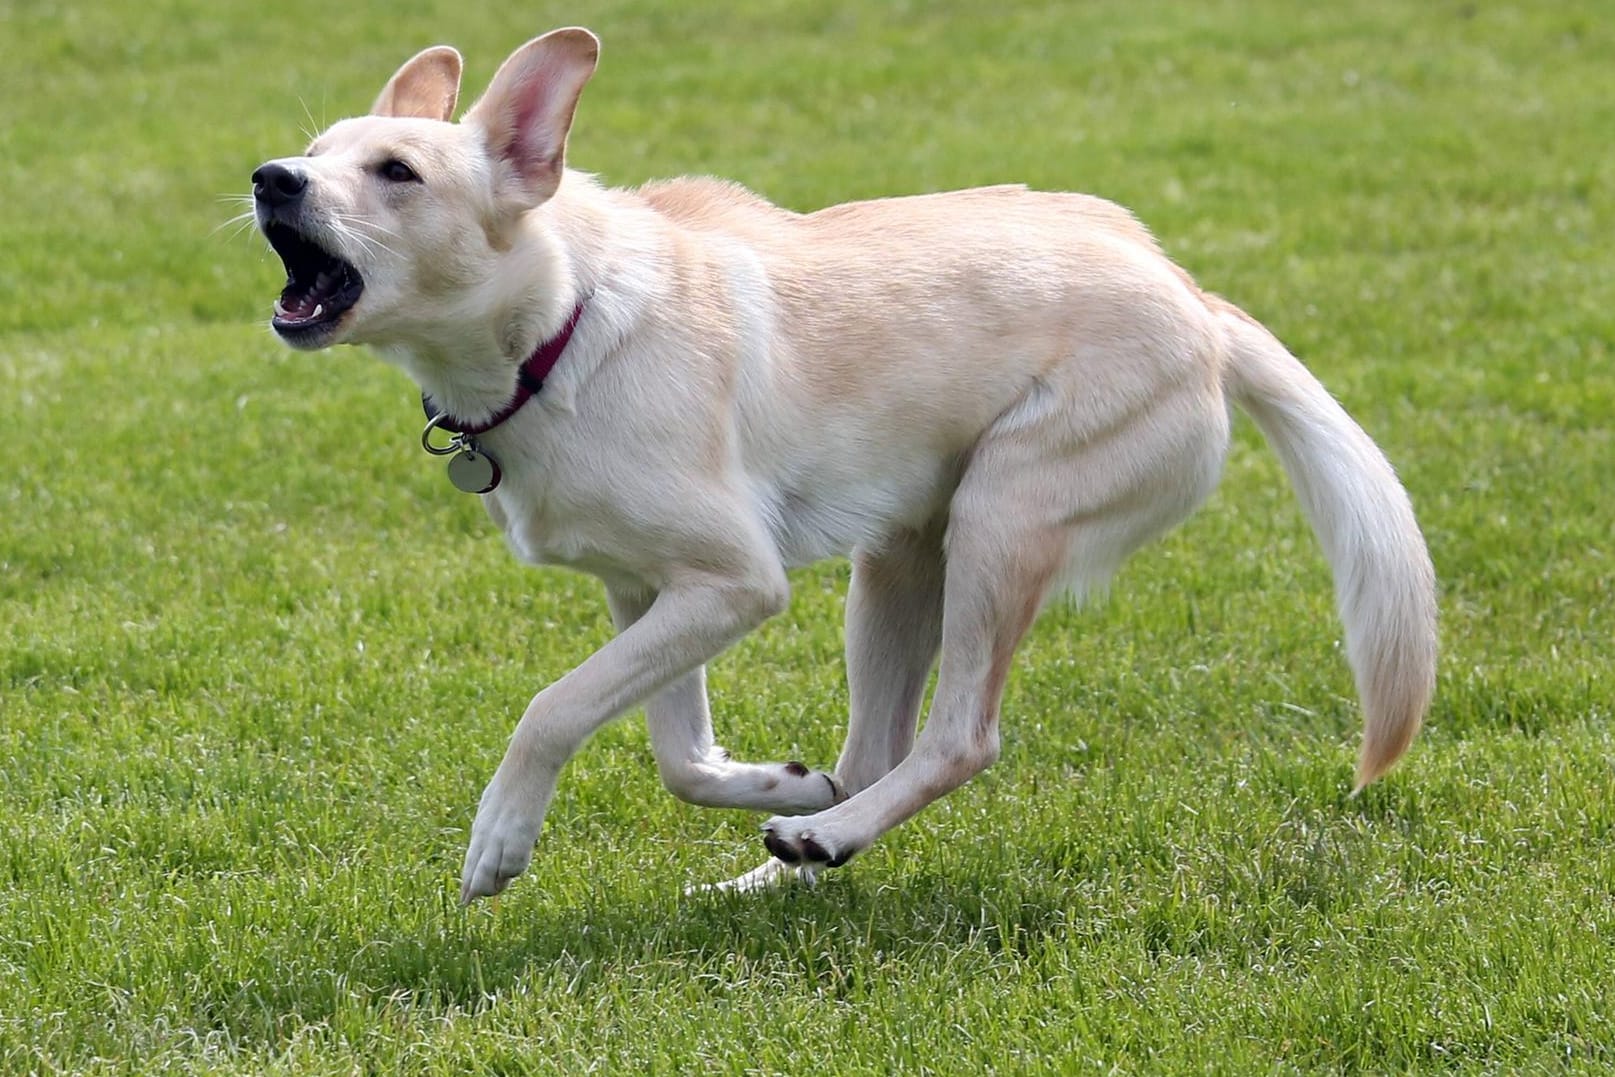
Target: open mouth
<point>320,287</point>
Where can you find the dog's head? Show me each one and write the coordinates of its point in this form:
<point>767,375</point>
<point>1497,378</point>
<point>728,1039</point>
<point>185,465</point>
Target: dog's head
<point>393,215</point>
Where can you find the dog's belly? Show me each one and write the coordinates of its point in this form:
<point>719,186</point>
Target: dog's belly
<point>829,512</point>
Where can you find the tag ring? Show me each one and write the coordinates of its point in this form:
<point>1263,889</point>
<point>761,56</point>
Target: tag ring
<point>426,438</point>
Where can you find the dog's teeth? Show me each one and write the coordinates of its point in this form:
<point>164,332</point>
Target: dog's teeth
<point>319,309</point>
<point>280,309</point>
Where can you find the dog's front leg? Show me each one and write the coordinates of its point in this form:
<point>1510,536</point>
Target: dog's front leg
<point>691,621</point>
<point>693,766</point>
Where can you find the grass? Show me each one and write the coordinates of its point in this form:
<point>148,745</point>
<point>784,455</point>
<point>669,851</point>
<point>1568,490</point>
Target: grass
<point>257,659</point>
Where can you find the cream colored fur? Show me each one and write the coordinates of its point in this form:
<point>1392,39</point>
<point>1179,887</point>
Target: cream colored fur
<point>984,397</point>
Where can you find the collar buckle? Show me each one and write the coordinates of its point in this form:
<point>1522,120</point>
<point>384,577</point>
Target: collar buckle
<point>451,448</point>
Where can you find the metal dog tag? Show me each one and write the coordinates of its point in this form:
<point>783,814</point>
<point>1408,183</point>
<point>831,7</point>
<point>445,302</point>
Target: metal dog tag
<point>473,472</point>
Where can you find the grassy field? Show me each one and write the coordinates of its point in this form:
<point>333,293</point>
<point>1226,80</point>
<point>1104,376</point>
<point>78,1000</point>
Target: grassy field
<point>257,658</point>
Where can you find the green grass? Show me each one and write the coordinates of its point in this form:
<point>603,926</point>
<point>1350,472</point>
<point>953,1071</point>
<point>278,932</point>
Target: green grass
<point>257,658</point>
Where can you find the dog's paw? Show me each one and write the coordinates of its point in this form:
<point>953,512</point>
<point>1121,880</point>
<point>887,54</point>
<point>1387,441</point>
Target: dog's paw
<point>771,874</point>
<point>818,790</point>
<point>502,840</point>
<point>794,840</point>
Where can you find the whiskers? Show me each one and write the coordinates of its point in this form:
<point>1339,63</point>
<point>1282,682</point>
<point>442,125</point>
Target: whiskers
<point>356,231</point>
<point>311,132</point>
<point>241,222</point>
<point>363,232</point>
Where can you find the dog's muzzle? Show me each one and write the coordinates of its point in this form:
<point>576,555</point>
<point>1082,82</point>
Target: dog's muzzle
<point>321,286</point>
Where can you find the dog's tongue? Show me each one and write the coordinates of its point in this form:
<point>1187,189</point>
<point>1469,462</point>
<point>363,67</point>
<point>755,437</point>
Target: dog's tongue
<point>297,307</point>
<point>306,305</point>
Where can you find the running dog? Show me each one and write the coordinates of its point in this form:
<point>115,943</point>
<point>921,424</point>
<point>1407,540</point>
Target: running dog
<point>985,397</point>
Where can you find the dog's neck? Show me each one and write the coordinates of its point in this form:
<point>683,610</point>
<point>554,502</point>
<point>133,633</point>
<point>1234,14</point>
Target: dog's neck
<point>530,378</point>
<point>467,360</point>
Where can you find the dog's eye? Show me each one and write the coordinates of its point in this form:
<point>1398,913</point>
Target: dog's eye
<point>396,171</point>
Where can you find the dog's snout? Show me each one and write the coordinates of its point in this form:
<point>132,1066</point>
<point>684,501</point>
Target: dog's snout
<point>277,184</point>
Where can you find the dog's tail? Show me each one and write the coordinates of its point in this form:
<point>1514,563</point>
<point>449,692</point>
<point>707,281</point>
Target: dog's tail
<point>1384,582</point>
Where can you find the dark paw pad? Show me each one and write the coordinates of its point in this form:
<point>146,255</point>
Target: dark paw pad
<point>813,852</point>
<point>778,847</point>
<point>797,770</point>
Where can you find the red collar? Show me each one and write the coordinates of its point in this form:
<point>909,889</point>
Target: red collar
<point>529,380</point>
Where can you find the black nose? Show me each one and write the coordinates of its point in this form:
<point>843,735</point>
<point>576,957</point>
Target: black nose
<point>276,185</point>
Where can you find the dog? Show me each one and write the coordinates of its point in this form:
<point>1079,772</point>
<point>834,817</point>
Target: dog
<point>985,397</point>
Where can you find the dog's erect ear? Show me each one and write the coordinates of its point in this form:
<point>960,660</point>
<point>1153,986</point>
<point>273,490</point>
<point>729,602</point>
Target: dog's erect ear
<point>527,111</point>
<point>425,88</point>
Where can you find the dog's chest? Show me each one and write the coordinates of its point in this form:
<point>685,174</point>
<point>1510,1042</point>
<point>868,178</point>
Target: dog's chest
<point>541,514</point>
<point>555,503</point>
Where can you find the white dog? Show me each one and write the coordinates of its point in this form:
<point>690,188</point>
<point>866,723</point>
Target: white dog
<point>987,397</point>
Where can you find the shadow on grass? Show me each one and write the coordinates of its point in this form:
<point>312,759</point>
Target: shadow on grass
<point>1144,891</point>
<point>821,936</point>
<point>1162,894</point>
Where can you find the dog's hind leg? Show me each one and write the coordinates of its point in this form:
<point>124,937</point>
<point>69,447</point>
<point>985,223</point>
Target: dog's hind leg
<point>1003,554</point>
<point>692,765</point>
<point>894,629</point>
<point>1040,507</point>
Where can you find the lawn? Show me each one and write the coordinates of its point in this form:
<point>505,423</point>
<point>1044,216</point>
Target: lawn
<point>257,658</point>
